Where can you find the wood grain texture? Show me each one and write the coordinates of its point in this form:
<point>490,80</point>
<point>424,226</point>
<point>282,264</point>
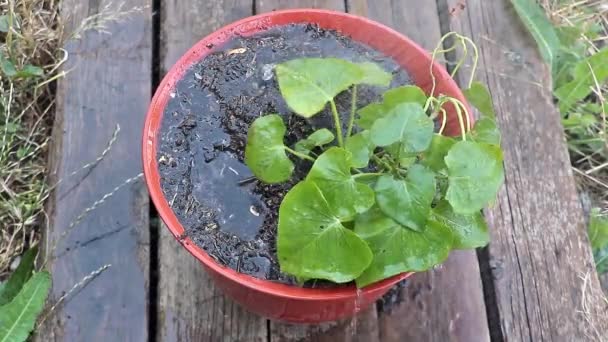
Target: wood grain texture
<point>271,5</point>
<point>190,307</point>
<point>539,254</point>
<point>108,84</point>
<point>445,304</point>
<point>362,328</point>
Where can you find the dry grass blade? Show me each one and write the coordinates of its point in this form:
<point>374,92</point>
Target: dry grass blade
<point>33,42</point>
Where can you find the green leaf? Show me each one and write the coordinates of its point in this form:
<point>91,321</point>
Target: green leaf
<point>598,230</point>
<point>479,96</point>
<point>373,74</point>
<point>585,74</point>
<point>317,138</point>
<point>470,231</point>
<point>30,71</point>
<point>397,249</point>
<point>312,243</point>
<point>475,174</point>
<point>4,26</point>
<point>391,99</point>
<point>533,17</point>
<point>433,158</point>
<point>407,201</point>
<point>19,277</point>
<point>345,196</point>
<point>19,316</point>
<point>408,124</point>
<point>361,147</point>
<point>265,151</point>
<point>485,131</point>
<point>7,66</point>
<point>308,84</point>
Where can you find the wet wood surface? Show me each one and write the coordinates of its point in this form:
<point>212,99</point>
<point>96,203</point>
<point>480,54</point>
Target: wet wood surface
<point>108,85</point>
<point>532,271</point>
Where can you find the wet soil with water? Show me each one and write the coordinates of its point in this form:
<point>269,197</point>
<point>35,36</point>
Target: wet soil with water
<point>204,132</point>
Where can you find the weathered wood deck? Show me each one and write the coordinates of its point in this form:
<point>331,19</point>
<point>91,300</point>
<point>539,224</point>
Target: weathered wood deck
<point>526,286</point>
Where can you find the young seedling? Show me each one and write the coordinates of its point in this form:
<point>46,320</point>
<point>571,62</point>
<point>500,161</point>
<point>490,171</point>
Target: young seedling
<point>389,195</point>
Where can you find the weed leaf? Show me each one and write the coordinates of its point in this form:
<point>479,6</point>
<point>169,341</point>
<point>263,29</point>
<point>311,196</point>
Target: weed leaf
<point>19,277</point>
<point>535,20</point>
<point>18,317</point>
<point>585,73</point>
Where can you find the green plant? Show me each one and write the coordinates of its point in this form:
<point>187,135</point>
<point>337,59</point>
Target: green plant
<point>390,195</point>
<point>22,299</point>
<point>598,235</point>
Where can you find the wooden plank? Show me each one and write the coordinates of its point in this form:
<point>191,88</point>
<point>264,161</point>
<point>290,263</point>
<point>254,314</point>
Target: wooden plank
<point>445,304</point>
<point>271,5</point>
<point>190,307</point>
<point>539,255</point>
<point>363,328</point>
<point>108,84</point>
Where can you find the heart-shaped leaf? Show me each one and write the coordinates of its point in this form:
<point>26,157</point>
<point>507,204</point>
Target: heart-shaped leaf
<point>317,138</point>
<point>265,151</point>
<point>361,147</point>
<point>407,201</point>
<point>391,99</point>
<point>434,156</point>
<point>475,174</point>
<point>485,131</point>
<point>373,74</point>
<point>345,196</point>
<point>479,96</point>
<point>312,243</point>
<point>470,231</point>
<point>407,124</point>
<point>397,249</point>
<point>308,84</point>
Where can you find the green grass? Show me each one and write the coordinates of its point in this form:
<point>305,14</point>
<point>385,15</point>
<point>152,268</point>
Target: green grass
<point>582,28</point>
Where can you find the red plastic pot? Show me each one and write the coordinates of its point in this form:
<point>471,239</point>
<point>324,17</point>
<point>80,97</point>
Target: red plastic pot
<point>273,300</point>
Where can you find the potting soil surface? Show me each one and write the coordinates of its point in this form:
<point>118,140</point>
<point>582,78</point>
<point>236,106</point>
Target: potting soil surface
<point>223,209</point>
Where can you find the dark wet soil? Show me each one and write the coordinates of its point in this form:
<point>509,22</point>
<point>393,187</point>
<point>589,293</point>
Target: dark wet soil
<point>204,131</point>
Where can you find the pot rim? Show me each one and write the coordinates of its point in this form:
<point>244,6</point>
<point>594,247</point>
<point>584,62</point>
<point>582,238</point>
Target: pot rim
<point>247,26</point>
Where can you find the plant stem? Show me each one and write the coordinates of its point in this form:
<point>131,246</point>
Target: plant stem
<point>370,174</point>
<point>353,108</point>
<point>444,120</point>
<point>337,122</point>
<point>298,154</point>
<point>383,163</point>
